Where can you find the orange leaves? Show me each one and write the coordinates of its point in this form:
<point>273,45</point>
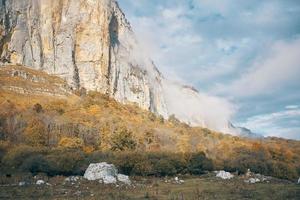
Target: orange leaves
<point>71,143</point>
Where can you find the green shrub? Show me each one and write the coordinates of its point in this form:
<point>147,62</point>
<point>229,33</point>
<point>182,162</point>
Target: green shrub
<point>198,164</point>
<point>164,168</point>
<point>35,164</point>
<point>16,156</point>
<point>66,162</point>
<point>122,140</point>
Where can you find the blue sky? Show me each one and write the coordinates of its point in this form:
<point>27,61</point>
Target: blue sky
<point>245,51</point>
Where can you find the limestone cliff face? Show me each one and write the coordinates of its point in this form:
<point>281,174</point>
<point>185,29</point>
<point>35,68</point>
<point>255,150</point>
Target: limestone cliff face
<point>89,43</point>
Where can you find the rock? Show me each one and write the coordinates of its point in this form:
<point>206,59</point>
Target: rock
<point>299,180</point>
<point>248,174</point>
<point>124,179</point>
<point>224,175</point>
<point>72,179</point>
<point>22,183</point>
<point>40,182</point>
<point>103,172</point>
<point>109,180</point>
<point>252,180</point>
<point>176,179</point>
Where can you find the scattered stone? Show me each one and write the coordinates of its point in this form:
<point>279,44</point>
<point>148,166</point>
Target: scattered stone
<point>72,179</point>
<point>248,173</point>
<point>176,178</point>
<point>224,175</point>
<point>124,179</point>
<point>252,180</point>
<point>22,183</point>
<point>40,182</point>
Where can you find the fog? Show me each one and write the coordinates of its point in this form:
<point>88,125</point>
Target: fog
<point>198,108</point>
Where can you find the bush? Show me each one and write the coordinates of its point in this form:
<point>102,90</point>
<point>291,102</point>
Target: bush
<point>16,156</point>
<point>198,164</point>
<point>35,164</point>
<point>123,140</point>
<point>164,168</point>
<point>37,108</point>
<point>35,133</point>
<point>66,162</point>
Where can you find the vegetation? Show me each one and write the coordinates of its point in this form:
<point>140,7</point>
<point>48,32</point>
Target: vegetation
<point>62,134</point>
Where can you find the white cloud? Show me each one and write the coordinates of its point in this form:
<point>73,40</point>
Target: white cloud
<point>291,107</point>
<point>198,108</point>
<point>269,124</point>
<point>278,68</point>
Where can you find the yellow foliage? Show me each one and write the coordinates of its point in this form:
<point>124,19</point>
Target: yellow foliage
<point>35,133</point>
<point>184,144</point>
<point>72,143</point>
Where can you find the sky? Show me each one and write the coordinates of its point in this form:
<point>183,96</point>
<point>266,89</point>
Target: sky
<point>247,52</point>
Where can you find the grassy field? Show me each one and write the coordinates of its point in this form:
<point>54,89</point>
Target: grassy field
<point>205,187</point>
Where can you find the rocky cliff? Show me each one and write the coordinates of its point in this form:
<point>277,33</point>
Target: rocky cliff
<point>91,45</point>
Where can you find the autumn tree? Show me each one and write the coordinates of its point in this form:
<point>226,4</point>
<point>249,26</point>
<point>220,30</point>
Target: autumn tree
<point>35,134</point>
<point>122,140</point>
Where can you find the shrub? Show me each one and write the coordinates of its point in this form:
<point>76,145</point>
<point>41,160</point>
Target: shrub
<point>15,156</point>
<point>127,161</point>
<point>37,108</point>
<point>164,168</point>
<point>198,164</point>
<point>123,140</point>
<point>35,164</point>
<point>35,133</point>
<point>66,162</point>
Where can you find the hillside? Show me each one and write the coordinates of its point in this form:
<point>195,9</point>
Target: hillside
<point>40,111</point>
<point>91,45</point>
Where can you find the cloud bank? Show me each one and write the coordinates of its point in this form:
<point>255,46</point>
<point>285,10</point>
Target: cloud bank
<point>244,51</point>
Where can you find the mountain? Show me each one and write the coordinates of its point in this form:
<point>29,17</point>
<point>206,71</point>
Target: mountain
<point>244,132</point>
<point>91,45</point>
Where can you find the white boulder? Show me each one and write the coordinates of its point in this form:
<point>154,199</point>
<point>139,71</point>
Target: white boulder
<point>124,179</point>
<point>101,171</point>
<point>224,175</point>
<point>40,182</point>
<point>22,183</point>
<point>105,173</point>
<point>299,180</point>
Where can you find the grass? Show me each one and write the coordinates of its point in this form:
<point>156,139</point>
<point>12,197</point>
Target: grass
<point>153,188</point>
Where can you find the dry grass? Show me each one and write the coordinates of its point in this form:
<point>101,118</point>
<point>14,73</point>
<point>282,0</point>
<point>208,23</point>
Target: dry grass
<point>154,188</point>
